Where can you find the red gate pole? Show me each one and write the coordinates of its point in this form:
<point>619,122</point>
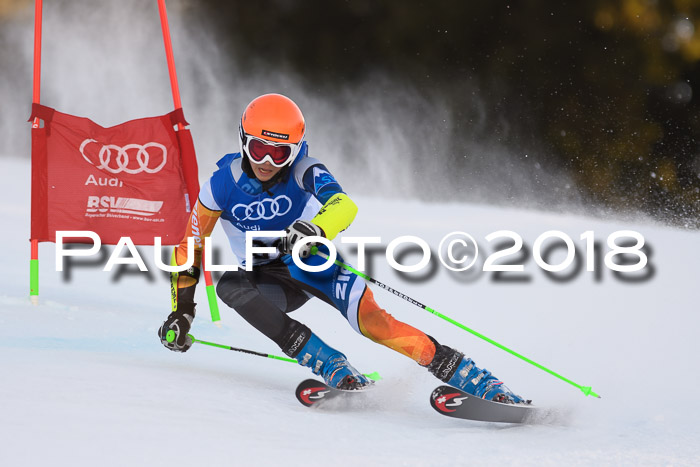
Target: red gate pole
<point>34,255</point>
<point>211,293</point>
<point>169,55</point>
<point>37,57</point>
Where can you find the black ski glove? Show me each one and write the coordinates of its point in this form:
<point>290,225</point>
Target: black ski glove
<point>173,332</point>
<point>297,231</point>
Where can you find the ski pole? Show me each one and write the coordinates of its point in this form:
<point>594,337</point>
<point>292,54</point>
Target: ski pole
<point>374,376</point>
<point>585,389</point>
<point>236,349</point>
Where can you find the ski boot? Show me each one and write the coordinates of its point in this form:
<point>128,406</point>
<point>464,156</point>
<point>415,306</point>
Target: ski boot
<point>455,369</point>
<point>324,360</point>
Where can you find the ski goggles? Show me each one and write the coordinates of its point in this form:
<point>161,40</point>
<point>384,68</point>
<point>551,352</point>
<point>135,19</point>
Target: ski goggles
<point>260,151</point>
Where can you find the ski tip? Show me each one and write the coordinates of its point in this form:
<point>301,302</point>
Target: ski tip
<point>374,376</point>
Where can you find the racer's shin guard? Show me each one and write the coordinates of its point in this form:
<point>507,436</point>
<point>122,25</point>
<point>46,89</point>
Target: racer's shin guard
<point>379,326</point>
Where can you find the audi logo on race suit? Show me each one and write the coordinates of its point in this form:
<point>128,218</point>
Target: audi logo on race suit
<point>265,209</point>
<point>122,160</point>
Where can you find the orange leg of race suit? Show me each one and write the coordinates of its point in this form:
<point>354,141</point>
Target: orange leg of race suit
<point>379,326</point>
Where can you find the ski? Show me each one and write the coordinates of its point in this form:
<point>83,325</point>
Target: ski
<point>311,392</point>
<point>452,402</point>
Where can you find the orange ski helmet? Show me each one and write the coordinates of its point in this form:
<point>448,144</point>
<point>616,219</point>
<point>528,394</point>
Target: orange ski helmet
<point>272,129</point>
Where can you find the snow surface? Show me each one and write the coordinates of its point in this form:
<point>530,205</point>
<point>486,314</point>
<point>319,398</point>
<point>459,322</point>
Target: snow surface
<point>85,381</point>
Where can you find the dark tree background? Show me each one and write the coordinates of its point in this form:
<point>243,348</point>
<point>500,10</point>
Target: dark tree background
<point>607,86</point>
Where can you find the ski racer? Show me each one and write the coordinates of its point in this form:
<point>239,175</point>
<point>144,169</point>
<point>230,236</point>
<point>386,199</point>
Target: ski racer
<point>272,184</point>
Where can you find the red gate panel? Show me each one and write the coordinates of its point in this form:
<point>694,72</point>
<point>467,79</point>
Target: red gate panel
<point>137,179</point>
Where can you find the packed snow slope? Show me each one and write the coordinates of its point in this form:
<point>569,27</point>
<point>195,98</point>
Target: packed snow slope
<point>85,381</point>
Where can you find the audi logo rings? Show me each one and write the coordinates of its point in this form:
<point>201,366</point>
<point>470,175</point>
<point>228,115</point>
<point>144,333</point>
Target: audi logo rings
<point>266,209</point>
<point>122,159</point>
